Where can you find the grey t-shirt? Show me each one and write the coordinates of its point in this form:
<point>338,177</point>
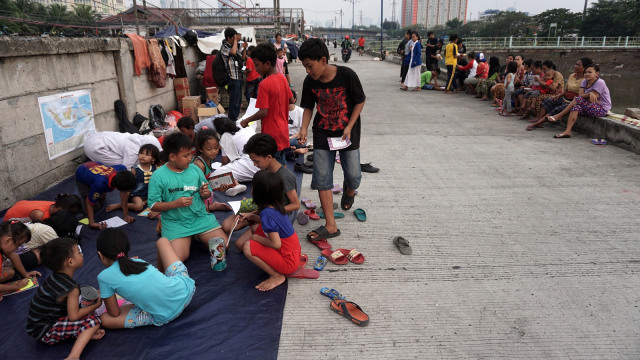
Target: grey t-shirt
<point>289,182</point>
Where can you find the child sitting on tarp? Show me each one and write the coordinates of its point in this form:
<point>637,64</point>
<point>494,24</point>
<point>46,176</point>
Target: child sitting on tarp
<point>94,180</point>
<point>166,292</point>
<point>55,313</point>
<point>148,157</point>
<point>31,210</point>
<point>12,235</point>
<point>273,246</point>
<point>177,190</point>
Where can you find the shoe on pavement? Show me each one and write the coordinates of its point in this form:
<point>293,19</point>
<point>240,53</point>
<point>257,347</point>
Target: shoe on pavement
<point>303,169</point>
<point>369,168</point>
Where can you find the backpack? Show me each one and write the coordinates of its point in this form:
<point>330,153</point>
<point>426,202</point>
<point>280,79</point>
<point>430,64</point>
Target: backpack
<point>124,125</point>
<point>220,74</point>
<point>156,117</point>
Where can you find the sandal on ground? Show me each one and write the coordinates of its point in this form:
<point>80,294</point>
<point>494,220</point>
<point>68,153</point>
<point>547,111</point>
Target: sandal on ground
<point>337,257</point>
<point>561,136</point>
<point>353,255</point>
<point>301,273</point>
<point>351,311</point>
<point>303,219</point>
<point>311,214</point>
<point>322,244</point>
<point>336,189</point>
<point>308,203</point>
<point>336,215</point>
<point>403,245</point>
<point>321,261</point>
<point>360,214</point>
<point>304,259</point>
<point>322,233</point>
<point>332,294</point>
<point>346,200</point>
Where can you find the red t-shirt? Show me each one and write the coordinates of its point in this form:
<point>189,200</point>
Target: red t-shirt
<point>252,74</point>
<point>274,95</point>
<point>23,209</point>
<point>361,42</point>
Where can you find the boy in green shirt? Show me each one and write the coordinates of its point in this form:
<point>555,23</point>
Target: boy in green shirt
<point>178,190</point>
<point>427,76</point>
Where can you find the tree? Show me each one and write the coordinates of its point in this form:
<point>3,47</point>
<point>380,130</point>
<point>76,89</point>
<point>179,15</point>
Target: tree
<point>567,22</point>
<point>390,25</point>
<point>85,14</point>
<point>454,25</point>
<point>507,24</point>
<point>612,18</point>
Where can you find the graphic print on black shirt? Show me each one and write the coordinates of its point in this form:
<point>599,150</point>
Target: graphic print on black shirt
<point>332,107</point>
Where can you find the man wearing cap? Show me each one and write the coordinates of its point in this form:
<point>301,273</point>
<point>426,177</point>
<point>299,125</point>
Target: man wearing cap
<point>482,71</point>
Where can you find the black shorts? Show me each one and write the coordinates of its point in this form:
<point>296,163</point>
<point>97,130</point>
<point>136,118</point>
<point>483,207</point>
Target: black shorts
<point>29,260</point>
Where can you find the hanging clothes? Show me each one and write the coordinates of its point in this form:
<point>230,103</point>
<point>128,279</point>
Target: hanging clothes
<point>207,76</point>
<point>181,71</point>
<point>171,65</point>
<point>157,70</point>
<point>140,53</point>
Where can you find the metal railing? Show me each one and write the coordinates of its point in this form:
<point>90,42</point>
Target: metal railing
<point>513,42</point>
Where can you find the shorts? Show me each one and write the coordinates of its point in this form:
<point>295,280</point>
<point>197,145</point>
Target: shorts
<point>83,189</point>
<point>323,163</point>
<point>532,94</point>
<point>29,260</point>
<point>427,87</point>
<point>471,80</point>
<point>138,317</point>
<point>282,263</point>
<point>64,329</point>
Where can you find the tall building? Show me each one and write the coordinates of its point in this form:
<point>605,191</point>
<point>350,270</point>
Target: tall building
<point>102,7</point>
<point>432,12</point>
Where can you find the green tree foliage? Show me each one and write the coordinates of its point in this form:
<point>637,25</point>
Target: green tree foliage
<point>567,22</point>
<point>390,25</point>
<point>612,18</point>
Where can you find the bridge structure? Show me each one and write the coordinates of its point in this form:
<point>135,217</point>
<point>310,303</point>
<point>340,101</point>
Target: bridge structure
<point>264,20</point>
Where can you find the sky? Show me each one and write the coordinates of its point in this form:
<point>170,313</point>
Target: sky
<point>324,11</point>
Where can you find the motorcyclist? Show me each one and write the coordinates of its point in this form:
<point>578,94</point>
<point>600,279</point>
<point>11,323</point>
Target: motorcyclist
<point>346,44</point>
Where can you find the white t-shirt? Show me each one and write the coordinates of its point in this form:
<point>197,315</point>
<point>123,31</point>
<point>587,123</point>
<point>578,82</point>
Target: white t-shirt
<point>295,120</point>
<point>114,148</point>
<point>240,163</point>
<point>472,71</point>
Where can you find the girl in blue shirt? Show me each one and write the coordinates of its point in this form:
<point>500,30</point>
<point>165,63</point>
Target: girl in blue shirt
<point>157,297</point>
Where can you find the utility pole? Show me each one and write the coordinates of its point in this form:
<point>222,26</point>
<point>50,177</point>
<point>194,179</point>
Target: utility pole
<point>381,30</point>
<point>393,11</point>
<point>360,17</point>
<point>276,8</point>
<point>135,11</point>
<point>584,12</point>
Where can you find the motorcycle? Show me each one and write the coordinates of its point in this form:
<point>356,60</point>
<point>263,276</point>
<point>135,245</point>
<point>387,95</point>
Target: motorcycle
<point>346,54</point>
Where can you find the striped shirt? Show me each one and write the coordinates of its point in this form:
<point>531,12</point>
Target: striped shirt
<point>45,309</point>
<point>234,67</point>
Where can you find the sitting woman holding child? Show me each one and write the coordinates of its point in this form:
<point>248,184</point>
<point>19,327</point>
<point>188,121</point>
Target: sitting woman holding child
<point>555,104</point>
<point>592,101</point>
<point>555,88</point>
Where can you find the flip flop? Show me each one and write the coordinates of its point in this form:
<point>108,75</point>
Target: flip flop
<point>304,259</point>
<point>346,200</point>
<point>322,233</point>
<point>603,142</point>
<point>353,255</point>
<point>304,274</point>
<point>595,141</point>
<point>322,244</point>
<point>561,136</point>
<point>337,215</point>
<point>321,262</point>
<point>308,204</point>
<point>351,311</point>
<point>312,214</point>
<point>360,214</point>
<point>303,219</point>
<point>336,257</point>
<point>336,189</point>
<point>332,294</point>
<point>403,245</point>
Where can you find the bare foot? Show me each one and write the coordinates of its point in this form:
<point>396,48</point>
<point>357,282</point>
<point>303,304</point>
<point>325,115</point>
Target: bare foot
<point>271,283</point>
<point>98,335</point>
<point>301,151</point>
<point>112,207</point>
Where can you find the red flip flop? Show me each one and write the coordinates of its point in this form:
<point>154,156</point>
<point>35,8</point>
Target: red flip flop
<point>353,255</point>
<point>336,257</point>
<point>312,214</point>
<point>322,244</point>
<point>304,259</point>
<point>304,274</point>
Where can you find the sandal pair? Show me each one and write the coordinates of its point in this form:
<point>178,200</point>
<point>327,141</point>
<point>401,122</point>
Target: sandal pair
<point>343,256</point>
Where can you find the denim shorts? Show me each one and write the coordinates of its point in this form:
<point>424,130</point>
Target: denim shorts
<point>323,162</point>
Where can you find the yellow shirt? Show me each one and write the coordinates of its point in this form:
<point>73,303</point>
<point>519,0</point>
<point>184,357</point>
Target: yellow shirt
<point>451,52</point>
<point>573,84</point>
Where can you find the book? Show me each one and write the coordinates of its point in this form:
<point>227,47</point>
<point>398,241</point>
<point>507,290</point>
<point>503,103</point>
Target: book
<point>336,143</point>
<point>218,181</point>
<point>32,284</point>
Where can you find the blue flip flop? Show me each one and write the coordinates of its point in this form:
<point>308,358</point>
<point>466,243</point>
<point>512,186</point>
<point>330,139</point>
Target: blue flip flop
<point>337,215</point>
<point>360,214</point>
<point>332,294</point>
<point>321,261</point>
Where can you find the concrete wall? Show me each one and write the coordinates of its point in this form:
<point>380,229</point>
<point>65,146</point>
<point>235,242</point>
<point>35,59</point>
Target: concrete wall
<point>31,68</point>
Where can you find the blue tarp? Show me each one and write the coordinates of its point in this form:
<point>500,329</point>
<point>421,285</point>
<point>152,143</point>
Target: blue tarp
<point>227,318</point>
<point>171,31</point>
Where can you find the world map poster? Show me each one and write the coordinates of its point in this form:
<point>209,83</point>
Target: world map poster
<point>67,118</point>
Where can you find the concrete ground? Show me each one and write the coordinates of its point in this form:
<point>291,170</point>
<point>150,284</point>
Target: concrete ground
<point>524,246</point>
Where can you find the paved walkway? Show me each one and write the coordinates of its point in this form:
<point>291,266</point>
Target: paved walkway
<point>524,246</point>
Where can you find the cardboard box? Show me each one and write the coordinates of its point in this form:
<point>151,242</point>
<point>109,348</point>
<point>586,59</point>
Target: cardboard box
<point>205,112</point>
<point>189,106</point>
<point>212,94</point>
<point>181,87</point>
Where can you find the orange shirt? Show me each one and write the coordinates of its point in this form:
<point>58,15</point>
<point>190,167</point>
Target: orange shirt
<point>23,208</point>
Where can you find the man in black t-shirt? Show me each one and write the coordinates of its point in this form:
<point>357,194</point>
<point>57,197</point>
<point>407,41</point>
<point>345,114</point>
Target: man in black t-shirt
<point>337,95</point>
<point>429,49</point>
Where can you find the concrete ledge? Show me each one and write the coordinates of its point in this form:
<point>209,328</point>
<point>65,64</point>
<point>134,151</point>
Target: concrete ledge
<point>22,47</point>
<point>611,128</point>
